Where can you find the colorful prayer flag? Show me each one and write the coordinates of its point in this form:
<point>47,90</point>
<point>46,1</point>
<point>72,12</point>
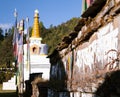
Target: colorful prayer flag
<point>20,54</point>
<point>15,45</point>
<point>20,44</point>
<point>28,45</point>
<point>86,4</point>
<point>15,40</point>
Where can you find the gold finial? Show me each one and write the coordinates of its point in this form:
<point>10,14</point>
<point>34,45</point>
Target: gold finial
<point>36,28</point>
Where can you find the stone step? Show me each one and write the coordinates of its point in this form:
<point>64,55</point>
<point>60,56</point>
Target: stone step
<point>10,85</point>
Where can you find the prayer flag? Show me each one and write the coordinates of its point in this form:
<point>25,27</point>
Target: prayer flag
<point>28,45</point>
<point>15,40</point>
<point>15,45</point>
<point>20,44</point>
<point>86,4</point>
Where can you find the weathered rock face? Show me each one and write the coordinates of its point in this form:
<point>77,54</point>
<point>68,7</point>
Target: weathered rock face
<point>39,87</point>
<point>97,57</point>
<point>87,64</point>
<point>111,86</point>
<point>35,91</point>
<point>91,62</point>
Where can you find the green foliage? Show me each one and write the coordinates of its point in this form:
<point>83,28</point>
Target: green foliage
<point>54,34</point>
<point>1,35</point>
<point>6,56</point>
<point>6,51</point>
<point>51,36</point>
<point>5,76</point>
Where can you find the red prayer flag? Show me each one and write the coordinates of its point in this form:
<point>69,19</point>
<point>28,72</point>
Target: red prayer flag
<point>15,40</point>
<point>86,4</point>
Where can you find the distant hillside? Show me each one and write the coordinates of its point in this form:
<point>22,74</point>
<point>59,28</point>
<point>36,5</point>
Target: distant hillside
<point>51,36</point>
<point>54,34</point>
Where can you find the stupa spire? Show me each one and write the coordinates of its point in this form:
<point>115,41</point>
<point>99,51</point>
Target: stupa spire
<point>36,28</point>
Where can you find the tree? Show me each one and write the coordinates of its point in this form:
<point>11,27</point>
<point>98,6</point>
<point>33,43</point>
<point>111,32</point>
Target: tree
<point>54,34</point>
<point>1,35</point>
<point>6,53</point>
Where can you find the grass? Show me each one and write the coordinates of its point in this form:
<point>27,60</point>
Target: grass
<point>7,93</point>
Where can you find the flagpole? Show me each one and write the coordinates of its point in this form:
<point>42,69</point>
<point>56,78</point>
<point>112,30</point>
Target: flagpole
<point>28,47</point>
<point>15,15</point>
<point>21,57</point>
<point>15,49</point>
<point>22,83</point>
<point>15,36</point>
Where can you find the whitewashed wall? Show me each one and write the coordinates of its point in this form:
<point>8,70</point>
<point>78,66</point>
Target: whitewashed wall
<point>100,51</point>
<point>91,56</point>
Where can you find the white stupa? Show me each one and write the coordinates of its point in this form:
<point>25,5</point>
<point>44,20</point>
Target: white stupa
<point>38,52</point>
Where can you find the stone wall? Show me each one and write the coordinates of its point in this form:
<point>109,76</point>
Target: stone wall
<point>91,62</point>
<point>95,58</point>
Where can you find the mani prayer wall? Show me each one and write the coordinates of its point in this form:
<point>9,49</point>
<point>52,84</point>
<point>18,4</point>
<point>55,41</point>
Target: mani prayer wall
<point>86,63</point>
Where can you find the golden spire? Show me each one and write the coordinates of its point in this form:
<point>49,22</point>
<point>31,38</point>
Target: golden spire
<point>36,28</point>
